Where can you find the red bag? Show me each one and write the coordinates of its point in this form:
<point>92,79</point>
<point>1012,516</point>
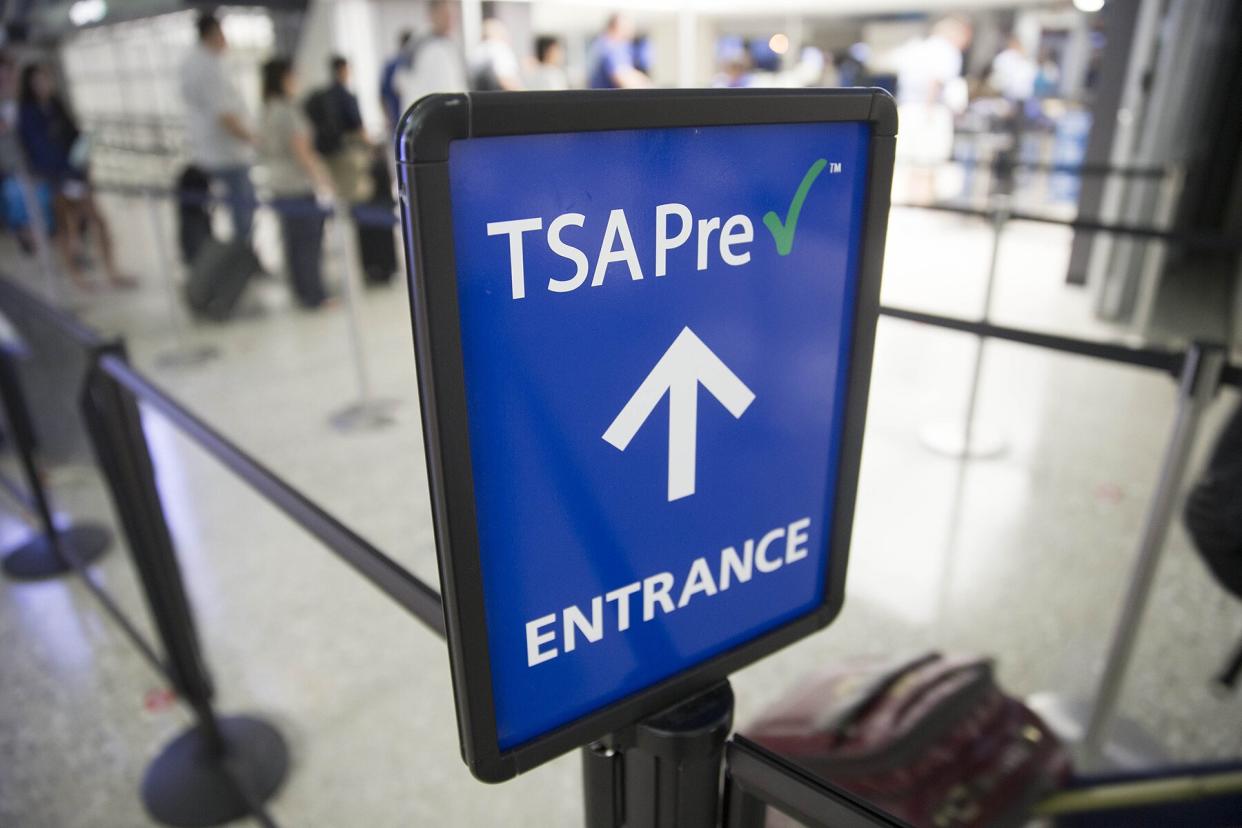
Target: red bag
<point>931,740</point>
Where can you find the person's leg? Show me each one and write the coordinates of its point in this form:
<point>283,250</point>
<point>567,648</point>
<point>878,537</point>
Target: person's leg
<point>310,241</point>
<point>314,255</point>
<point>297,228</point>
<point>68,237</point>
<point>105,242</point>
<point>240,195</point>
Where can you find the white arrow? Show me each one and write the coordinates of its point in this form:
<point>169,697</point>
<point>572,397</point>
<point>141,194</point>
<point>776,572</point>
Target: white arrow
<point>686,364</point>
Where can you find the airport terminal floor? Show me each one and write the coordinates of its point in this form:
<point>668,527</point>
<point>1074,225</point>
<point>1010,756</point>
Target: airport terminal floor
<point>1023,556</point>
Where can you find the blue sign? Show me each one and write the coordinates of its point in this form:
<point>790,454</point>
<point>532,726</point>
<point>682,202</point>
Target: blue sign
<point>655,339</point>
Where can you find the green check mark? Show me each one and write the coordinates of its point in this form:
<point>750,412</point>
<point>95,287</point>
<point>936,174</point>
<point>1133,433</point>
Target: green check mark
<point>783,233</point>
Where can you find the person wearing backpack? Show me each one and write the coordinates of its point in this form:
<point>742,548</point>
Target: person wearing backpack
<point>339,136</point>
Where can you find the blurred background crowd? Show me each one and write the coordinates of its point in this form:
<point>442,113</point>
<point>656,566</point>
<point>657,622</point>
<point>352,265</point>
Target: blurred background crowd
<point>301,102</point>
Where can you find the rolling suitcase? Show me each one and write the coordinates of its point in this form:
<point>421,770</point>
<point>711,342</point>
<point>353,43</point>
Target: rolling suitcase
<point>218,277</point>
<point>375,239</point>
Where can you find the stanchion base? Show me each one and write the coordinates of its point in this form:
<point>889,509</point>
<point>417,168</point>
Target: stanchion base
<point>949,439</point>
<point>186,785</point>
<point>187,357</point>
<point>367,415</point>
<point>1130,747</point>
<point>37,558</point>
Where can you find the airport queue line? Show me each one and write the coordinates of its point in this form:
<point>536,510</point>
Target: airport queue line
<point>115,388</point>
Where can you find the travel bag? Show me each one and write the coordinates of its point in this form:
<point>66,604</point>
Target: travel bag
<point>218,277</point>
<point>931,740</point>
<point>374,219</point>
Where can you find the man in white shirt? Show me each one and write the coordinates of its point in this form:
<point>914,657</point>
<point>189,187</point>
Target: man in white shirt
<point>220,139</point>
<point>495,64</point>
<point>436,60</point>
<point>1013,73</point>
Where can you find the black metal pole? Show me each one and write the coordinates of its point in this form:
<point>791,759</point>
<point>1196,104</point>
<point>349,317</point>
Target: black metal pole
<point>57,550</point>
<point>603,786</point>
<point>663,772</point>
<point>742,809</point>
<point>222,768</point>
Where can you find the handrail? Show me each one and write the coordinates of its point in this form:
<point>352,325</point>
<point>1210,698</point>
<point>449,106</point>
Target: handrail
<point>415,596</point>
<point>1161,359</point>
<point>999,162</point>
<point>1145,357</point>
<point>1205,241</point>
<point>372,214</point>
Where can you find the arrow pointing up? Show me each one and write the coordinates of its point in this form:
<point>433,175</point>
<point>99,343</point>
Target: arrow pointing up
<point>686,364</point>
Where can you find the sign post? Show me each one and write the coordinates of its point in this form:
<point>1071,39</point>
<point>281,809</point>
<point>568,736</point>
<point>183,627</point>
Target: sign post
<point>644,324</point>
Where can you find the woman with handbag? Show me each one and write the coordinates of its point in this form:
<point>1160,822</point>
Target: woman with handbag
<point>56,152</point>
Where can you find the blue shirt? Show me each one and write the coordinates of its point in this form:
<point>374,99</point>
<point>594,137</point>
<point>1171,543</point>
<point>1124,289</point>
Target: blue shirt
<point>389,95</point>
<point>47,135</point>
<point>610,58</point>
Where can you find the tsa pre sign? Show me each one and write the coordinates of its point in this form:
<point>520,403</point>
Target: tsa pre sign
<point>659,343</point>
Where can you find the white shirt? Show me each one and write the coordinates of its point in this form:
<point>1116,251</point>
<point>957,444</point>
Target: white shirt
<point>209,92</point>
<point>500,58</point>
<point>548,76</point>
<point>438,66</point>
<point>925,69</point>
<point>1013,75</point>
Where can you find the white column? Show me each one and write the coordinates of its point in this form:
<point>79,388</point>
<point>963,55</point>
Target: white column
<point>687,46</point>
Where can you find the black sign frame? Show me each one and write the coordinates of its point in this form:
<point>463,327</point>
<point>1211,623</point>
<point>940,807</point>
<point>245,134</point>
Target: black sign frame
<point>423,139</point>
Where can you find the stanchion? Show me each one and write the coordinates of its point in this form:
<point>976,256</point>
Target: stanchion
<point>183,354</point>
<point>222,768</point>
<point>663,772</point>
<point>59,549</point>
<point>367,412</point>
<point>969,439</point>
<point>1104,739</point>
<point>1199,382</point>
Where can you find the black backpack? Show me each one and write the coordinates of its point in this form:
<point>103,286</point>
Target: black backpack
<point>1213,513</point>
<point>325,119</point>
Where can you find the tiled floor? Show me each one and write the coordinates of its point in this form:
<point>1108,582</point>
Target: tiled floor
<point>1023,557</point>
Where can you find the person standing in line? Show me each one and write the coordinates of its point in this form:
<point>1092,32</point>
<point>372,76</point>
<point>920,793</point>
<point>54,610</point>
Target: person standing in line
<point>611,64</point>
<point>298,181</point>
<point>339,135</point>
<point>17,193</point>
<point>221,141</point>
<point>930,93</point>
<point>1013,73</point>
<point>549,72</point>
<point>436,61</point>
<point>56,155</point>
<point>390,95</point>
<point>495,65</point>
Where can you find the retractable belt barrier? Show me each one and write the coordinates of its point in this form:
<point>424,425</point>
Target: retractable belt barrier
<point>239,762</point>
<point>367,412</point>
<point>1001,163</point>
<point>1200,241</point>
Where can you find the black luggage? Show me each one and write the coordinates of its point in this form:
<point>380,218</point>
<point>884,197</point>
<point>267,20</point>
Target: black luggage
<point>218,277</point>
<point>193,218</point>
<point>375,221</point>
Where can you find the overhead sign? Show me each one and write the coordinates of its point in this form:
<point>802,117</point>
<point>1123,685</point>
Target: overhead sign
<point>644,325</point>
